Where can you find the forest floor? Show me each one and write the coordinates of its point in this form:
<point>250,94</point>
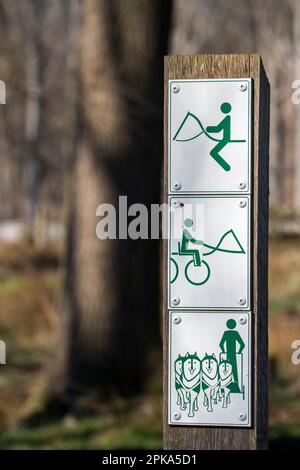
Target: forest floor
<point>30,280</point>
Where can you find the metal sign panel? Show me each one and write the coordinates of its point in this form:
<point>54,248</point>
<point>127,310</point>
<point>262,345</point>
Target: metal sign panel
<point>209,252</point>
<point>209,368</point>
<point>209,141</point>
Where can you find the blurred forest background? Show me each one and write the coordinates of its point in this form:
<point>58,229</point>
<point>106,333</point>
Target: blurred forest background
<point>84,88</point>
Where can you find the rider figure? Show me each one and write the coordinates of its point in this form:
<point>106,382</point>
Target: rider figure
<point>232,344</point>
<point>187,238</point>
<point>224,126</point>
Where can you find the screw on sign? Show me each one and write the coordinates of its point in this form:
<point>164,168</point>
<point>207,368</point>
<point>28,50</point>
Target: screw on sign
<point>177,320</point>
<point>215,281</point>
<point>177,186</point>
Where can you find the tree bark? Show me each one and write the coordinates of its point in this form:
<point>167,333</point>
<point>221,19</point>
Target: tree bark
<point>110,321</point>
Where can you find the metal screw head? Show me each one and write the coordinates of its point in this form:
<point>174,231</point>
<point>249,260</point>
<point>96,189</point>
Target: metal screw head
<point>178,204</point>
<point>242,416</point>
<point>177,320</point>
<point>175,88</point>
<point>242,184</point>
<point>243,320</point>
<point>242,203</point>
<point>176,301</point>
<point>177,415</point>
<point>242,301</point>
<point>177,186</point>
<point>243,86</point>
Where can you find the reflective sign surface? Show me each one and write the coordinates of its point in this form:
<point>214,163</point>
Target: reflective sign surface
<point>209,368</point>
<point>209,141</point>
<point>209,252</point>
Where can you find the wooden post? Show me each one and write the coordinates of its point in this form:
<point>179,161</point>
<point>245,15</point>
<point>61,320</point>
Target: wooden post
<point>255,437</point>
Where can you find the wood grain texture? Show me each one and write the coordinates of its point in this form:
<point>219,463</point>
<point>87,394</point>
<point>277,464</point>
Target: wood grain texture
<point>231,66</point>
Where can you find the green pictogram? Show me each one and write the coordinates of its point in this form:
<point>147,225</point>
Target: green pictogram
<point>215,377</point>
<point>230,341</point>
<point>210,380</point>
<point>187,382</point>
<point>197,271</point>
<point>224,125</point>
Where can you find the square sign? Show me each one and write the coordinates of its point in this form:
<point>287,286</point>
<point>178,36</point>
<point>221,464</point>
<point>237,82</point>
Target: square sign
<point>209,136</point>
<point>209,252</point>
<point>209,369</point>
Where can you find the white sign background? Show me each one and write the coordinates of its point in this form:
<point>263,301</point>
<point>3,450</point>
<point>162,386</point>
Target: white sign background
<point>201,332</point>
<point>229,273</point>
<point>190,163</point>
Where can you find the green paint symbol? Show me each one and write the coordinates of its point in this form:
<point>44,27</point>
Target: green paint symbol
<point>187,382</point>
<point>230,341</point>
<point>197,271</point>
<point>224,125</point>
<point>215,377</point>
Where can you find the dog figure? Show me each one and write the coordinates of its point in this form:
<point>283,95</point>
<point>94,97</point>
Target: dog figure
<point>210,380</point>
<point>226,380</point>
<point>182,399</point>
<point>190,379</point>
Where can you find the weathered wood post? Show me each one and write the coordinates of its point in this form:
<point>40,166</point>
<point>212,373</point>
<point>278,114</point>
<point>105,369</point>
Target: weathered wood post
<point>216,257</point>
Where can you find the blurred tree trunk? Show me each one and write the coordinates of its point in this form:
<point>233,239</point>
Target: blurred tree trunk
<point>32,128</point>
<point>31,15</point>
<point>111,311</point>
